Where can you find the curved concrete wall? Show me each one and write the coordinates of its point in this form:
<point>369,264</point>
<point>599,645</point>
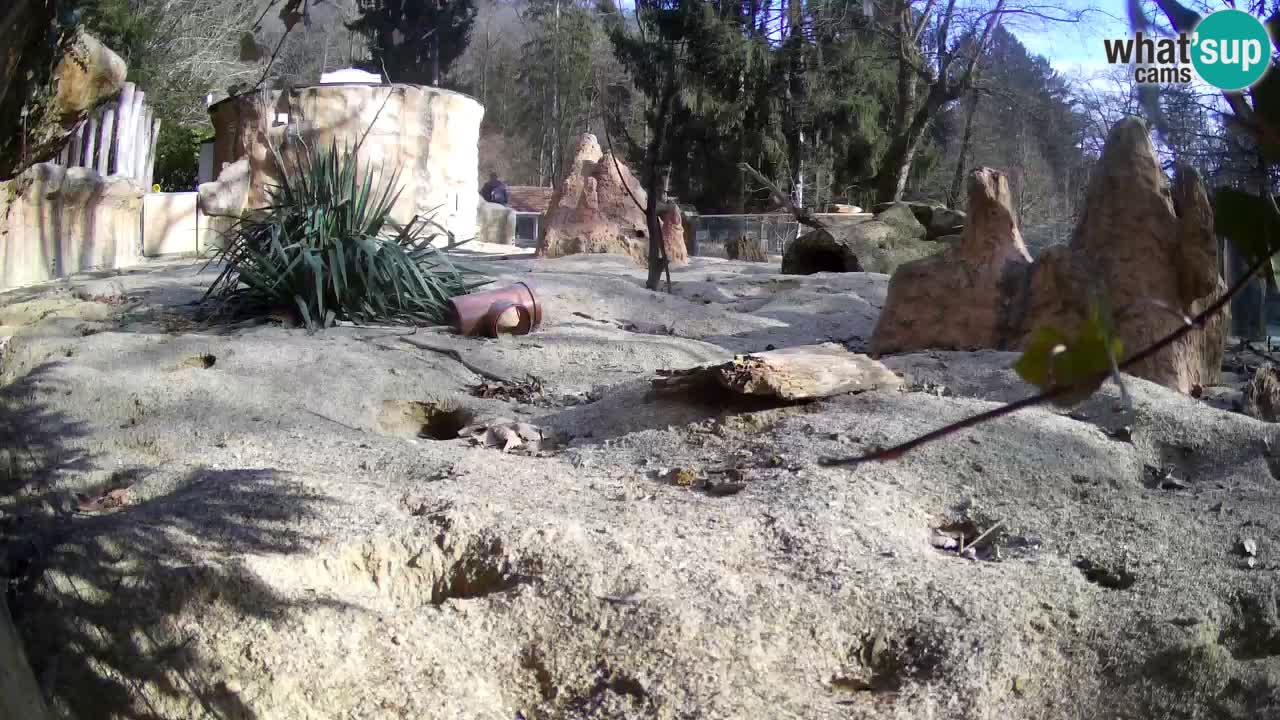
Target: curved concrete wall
<point>430,136</point>
<point>56,221</point>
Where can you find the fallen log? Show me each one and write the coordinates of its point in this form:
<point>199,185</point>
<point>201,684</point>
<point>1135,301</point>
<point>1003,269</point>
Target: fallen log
<point>806,372</point>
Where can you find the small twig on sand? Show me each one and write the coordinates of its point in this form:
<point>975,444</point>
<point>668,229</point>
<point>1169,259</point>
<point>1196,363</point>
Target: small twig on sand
<point>980,538</point>
<point>457,356</point>
<point>331,420</point>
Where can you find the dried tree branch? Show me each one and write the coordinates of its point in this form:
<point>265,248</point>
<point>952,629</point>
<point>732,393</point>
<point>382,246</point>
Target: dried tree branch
<point>802,215</point>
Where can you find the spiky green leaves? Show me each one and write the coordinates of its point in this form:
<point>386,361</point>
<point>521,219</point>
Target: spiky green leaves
<point>327,246</point>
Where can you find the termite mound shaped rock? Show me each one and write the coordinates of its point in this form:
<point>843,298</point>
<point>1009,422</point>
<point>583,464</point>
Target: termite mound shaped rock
<point>1146,246</point>
<point>598,208</point>
<point>965,297</point>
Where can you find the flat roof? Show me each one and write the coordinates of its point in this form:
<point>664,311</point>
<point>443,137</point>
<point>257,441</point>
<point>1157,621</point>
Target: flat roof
<point>298,88</point>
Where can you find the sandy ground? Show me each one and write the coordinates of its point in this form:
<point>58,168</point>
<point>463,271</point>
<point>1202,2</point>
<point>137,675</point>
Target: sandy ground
<point>291,546</point>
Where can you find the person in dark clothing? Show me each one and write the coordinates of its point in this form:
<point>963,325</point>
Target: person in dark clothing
<point>495,191</point>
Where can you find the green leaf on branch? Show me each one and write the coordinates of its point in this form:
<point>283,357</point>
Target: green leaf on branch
<point>1052,360</point>
<point>1252,225</point>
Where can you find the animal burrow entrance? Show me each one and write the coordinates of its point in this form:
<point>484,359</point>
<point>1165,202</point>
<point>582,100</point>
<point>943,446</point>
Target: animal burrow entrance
<point>1109,576</point>
<point>433,419</point>
<point>808,262</point>
<point>884,662</point>
<point>964,534</point>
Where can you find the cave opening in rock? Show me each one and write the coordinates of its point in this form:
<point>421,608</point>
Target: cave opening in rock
<point>822,260</point>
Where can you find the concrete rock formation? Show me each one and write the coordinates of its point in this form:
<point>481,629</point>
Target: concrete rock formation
<point>900,216</point>
<point>1139,243</point>
<point>746,248</point>
<point>963,297</point>
<point>430,135</point>
<point>596,208</point>
<point>673,234</point>
<point>1144,248</point>
<point>58,221</point>
<point>937,219</point>
<point>871,246</point>
<point>1262,395</point>
<point>226,196</point>
<point>60,83</point>
<point>495,223</point>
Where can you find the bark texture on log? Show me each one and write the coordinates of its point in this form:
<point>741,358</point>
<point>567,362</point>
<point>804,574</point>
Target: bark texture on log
<point>798,373</point>
<point>1147,248</point>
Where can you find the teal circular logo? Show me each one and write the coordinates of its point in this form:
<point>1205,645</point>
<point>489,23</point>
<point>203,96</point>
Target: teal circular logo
<point>1232,49</point>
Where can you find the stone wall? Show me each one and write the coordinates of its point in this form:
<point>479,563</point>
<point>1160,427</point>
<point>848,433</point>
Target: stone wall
<point>56,221</point>
<point>430,136</point>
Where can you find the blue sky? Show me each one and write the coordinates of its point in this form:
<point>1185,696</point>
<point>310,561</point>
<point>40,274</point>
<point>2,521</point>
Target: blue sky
<point>1076,47</point>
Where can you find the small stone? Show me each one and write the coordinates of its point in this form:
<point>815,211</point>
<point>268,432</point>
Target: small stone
<point>943,542</point>
<point>1122,434</point>
<point>1249,547</point>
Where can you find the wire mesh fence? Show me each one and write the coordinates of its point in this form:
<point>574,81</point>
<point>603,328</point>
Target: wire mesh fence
<point>711,232</point>
<point>707,235</point>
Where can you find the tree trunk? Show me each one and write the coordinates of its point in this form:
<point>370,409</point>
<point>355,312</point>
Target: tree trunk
<point>957,180</point>
<point>796,94</point>
<point>653,174</point>
<point>896,167</point>
<point>435,46</point>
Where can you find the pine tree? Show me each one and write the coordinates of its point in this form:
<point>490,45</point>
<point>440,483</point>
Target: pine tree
<point>414,41</point>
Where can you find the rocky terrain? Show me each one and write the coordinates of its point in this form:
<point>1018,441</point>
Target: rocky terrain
<point>257,522</point>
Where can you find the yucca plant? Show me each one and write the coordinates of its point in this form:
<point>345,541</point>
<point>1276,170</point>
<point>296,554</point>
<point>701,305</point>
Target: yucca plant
<point>326,245</point>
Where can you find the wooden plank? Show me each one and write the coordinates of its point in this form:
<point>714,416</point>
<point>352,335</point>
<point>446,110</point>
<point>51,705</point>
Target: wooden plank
<point>124,138</point>
<point>151,152</point>
<point>76,146</point>
<point>799,373</point>
<point>90,141</point>
<point>141,137</point>
<point>108,141</point>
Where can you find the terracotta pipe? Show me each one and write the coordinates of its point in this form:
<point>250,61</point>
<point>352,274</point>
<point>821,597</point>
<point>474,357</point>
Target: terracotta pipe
<point>495,324</point>
<point>474,314</point>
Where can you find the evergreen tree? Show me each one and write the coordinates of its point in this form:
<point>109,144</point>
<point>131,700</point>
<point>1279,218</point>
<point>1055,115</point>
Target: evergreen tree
<point>414,41</point>
<point>556,75</point>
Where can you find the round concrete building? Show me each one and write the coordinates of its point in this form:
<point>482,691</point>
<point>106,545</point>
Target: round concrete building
<point>429,135</point>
